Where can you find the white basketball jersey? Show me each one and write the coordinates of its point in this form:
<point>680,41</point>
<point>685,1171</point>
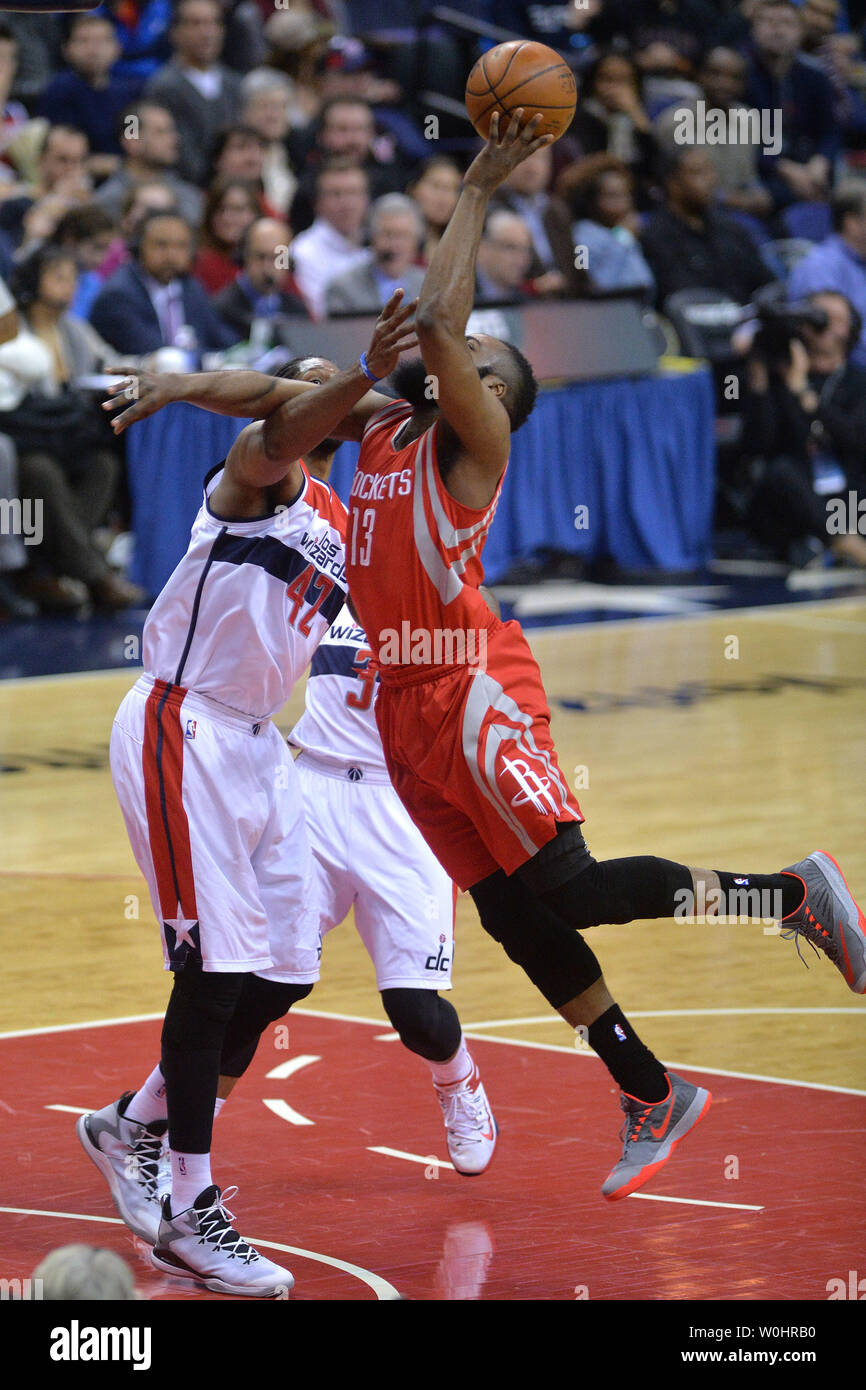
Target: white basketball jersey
<point>339,720</point>
<point>243,612</point>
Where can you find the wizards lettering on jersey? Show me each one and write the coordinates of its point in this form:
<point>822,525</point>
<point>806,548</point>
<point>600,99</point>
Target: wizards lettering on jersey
<point>373,487</point>
<point>326,554</point>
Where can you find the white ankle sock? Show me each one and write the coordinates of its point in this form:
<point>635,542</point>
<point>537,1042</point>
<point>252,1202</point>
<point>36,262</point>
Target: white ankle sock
<point>190,1175</point>
<point>149,1103</point>
<point>458,1069</point>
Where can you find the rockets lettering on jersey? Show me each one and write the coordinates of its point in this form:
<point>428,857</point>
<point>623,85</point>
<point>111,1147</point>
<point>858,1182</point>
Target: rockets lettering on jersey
<point>243,612</point>
<point>413,552</point>
<point>339,720</point>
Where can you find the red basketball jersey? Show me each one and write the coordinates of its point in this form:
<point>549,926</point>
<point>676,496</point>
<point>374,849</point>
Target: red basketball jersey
<point>418,600</point>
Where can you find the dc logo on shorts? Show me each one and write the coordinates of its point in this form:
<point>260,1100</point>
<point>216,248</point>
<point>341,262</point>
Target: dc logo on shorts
<point>190,728</point>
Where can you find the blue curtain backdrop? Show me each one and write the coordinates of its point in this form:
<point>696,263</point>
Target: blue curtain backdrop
<point>637,454</point>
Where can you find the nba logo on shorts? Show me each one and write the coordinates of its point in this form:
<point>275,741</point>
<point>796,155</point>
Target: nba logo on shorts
<point>190,728</point>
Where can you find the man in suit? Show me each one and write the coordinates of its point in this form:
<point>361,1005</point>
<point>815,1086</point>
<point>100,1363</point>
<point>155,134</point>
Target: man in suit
<point>153,301</point>
<point>149,146</point>
<point>525,192</point>
<point>504,258</point>
<point>202,94</point>
<point>396,231</point>
<point>260,292</point>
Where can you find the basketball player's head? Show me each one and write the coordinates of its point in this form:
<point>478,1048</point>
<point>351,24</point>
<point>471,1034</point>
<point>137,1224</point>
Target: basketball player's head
<point>318,370</point>
<point>501,366</point>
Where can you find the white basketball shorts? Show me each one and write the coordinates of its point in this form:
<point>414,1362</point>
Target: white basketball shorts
<point>368,855</point>
<point>214,815</point>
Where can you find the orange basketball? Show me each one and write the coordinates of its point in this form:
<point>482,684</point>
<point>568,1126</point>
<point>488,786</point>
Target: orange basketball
<point>521,73</point>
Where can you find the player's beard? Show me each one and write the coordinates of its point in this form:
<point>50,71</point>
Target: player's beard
<point>410,380</point>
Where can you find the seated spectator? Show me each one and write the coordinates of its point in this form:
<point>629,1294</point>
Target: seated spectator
<point>346,129</point>
<point>839,263</point>
<point>334,243</point>
<point>297,43</point>
<point>142,29</point>
<point>722,77</point>
<point>149,149</point>
<point>88,94</point>
<point>780,79</point>
<point>87,232</point>
<point>504,258</point>
<point>610,117</point>
<point>153,301</point>
<point>66,454</point>
<point>201,93</point>
<point>151,195</point>
<point>600,193</point>
<point>239,153</point>
<point>526,191</point>
<point>230,209</point>
<point>14,119</point>
<point>61,176</point>
<point>688,25</point>
<point>435,189</point>
<point>804,415</point>
<point>573,27</point>
<point>39,38</point>
<point>689,244</point>
<point>266,97</point>
<point>263,293</point>
<point>396,229</point>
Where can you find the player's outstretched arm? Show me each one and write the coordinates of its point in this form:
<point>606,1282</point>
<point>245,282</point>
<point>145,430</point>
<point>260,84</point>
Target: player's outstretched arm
<point>446,299</point>
<point>250,395</point>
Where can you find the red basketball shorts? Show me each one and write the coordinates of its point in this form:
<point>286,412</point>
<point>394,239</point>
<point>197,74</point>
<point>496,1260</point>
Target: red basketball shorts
<point>470,755</point>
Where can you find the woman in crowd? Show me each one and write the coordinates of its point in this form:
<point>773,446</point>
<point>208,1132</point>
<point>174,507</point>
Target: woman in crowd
<point>600,192</point>
<point>67,457</point>
<point>230,208</point>
<point>436,190</point>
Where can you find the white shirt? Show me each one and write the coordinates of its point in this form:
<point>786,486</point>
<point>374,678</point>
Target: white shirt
<point>244,610</point>
<point>167,300</point>
<point>320,254</point>
<point>339,719</point>
<point>208,82</point>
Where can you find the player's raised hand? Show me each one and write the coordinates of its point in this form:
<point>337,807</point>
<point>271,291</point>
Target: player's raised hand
<point>142,394</point>
<point>503,152</point>
<point>393,334</point>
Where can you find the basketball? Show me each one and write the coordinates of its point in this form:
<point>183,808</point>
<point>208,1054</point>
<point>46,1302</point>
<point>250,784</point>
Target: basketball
<point>521,73</point>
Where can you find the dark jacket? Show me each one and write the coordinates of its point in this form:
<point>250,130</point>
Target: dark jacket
<point>720,257</point>
<point>236,309</point>
<point>124,315</point>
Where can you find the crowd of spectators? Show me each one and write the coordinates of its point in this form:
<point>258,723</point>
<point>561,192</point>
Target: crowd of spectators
<point>199,175</point>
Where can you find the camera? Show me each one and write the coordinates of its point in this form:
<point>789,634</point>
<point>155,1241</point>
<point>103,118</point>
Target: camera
<point>780,324</point>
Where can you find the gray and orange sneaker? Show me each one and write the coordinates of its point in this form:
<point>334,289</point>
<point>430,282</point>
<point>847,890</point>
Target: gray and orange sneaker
<point>829,918</point>
<point>652,1132</point>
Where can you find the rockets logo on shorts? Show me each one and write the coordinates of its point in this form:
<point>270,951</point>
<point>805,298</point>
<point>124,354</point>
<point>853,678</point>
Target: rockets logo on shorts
<point>534,790</point>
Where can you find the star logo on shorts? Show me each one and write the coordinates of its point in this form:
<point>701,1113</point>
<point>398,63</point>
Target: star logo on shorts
<point>181,937</point>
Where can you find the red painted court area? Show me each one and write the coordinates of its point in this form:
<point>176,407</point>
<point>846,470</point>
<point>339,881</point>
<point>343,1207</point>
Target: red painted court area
<point>533,1227</point>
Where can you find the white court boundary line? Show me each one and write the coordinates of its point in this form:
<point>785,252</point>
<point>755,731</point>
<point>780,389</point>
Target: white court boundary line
<point>382,1289</point>
<point>479,1037</point>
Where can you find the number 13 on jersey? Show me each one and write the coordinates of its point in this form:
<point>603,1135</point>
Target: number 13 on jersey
<point>361,535</point>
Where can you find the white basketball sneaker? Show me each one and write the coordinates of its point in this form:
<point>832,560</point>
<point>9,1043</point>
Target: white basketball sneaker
<point>469,1124</point>
<point>127,1154</point>
<point>201,1243</point>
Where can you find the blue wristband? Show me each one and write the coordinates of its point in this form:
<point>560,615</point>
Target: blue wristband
<point>366,370</point>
